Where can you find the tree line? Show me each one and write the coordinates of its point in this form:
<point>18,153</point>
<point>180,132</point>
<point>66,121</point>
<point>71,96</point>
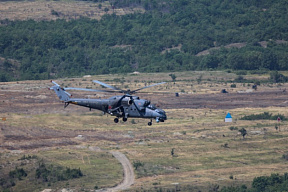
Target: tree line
<point>166,38</point>
<point>274,182</point>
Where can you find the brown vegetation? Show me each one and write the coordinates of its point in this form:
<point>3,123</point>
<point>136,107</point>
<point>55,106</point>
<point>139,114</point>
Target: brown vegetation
<point>52,10</point>
<point>205,150</point>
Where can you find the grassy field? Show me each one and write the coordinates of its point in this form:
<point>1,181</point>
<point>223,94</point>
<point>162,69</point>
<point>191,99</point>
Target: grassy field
<point>52,10</point>
<point>193,149</point>
<point>100,169</point>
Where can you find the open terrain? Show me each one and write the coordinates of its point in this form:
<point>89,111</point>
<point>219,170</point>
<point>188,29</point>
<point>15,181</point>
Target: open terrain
<point>207,151</point>
<point>52,10</point>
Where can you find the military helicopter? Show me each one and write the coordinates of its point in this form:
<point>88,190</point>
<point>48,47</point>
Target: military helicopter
<point>124,106</point>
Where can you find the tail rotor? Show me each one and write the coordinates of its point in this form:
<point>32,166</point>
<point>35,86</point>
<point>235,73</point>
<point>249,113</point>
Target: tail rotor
<point>60,92</point>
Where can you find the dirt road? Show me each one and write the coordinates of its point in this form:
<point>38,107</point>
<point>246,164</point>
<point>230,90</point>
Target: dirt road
<point>128,171</point>
<point>128,179</point>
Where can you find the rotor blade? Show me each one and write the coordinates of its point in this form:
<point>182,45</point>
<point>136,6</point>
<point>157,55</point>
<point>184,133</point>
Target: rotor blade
<point>83,89</point>
<point>58,87</point>
<point>68,93</point>
<point>120,100</point>
<point>147,87</point>
<point>55,83</point>
<point>105,85</point>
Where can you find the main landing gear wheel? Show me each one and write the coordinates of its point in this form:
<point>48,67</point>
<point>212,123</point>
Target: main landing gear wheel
<point>116,120</point>
<point>149,123</point>
<point>124,119</point>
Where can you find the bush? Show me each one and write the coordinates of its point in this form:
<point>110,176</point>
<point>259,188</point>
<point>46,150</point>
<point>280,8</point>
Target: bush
<point>53,174</point>
<point>137,164</point>
<point>233,85</point>
<point>276,77</point>
<point>239,79</point>
<point>233,128</point>
<point>265,115</point>
<point>133,121</point>
<point>243,132</point>
<point>18,173</point>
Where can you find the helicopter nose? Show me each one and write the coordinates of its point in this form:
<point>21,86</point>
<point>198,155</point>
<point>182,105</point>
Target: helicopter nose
<point>163,115</point>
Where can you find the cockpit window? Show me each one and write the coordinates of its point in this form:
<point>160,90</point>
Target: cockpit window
<point>153,107</point>
<point>146,103</point>
<point>161,112</point>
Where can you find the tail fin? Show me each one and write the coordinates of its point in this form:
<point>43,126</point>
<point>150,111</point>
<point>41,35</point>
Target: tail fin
<point>60,92</point>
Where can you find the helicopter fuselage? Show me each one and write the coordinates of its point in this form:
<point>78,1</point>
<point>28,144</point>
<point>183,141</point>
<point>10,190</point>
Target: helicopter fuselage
<point>122,107</point>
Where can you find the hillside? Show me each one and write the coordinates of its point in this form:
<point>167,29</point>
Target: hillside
<point>52,10</point>
<point>77,38</point>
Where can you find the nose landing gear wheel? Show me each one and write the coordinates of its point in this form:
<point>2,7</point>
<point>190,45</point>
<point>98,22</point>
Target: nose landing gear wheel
<point>124,119</point>
<point>149,123</point>
<point>116,120</point>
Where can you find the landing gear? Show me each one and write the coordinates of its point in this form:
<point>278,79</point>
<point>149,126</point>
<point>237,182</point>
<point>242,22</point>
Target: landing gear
<point>124,119</point>
<point>116,120</point>
<point>150,123</point>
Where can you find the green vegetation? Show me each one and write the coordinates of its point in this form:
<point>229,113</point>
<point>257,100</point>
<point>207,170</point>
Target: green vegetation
<point>57,168</point>
<point>173,77</point>
<point>18,173</point>
<point>53,174</point>
<point>137,164</point>
<point>243,132</point>
<point>264,115</point>
<point>28,157</point>
<point>167,37</point>
<point>278,77</point>
<point>233,128</point>
<point>275,182</point>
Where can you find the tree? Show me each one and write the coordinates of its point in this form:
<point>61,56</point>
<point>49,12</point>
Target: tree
<point>243,132</point>
<point>137,164</point>
<point>106,9</point>
<point>173,76</point>
<point>277,77</point>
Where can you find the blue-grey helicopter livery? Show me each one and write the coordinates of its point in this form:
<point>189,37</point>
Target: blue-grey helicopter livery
<point>124,106</point>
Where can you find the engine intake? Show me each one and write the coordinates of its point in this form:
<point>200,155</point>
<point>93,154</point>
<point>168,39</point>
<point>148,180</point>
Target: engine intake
<point>130,101</point>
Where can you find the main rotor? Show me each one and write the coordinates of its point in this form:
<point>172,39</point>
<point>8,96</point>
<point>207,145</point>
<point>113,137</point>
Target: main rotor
<point>127,92</point>
<point>120,106</point>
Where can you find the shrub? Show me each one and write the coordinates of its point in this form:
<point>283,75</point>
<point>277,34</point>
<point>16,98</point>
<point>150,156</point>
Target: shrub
<point>18,173</point>
<point>233,128</point>
<point>233,85</point>
<point>52,174</point>
<point>243,132</point>
<point>137,164</point>
<point>264,115</point>
<point>278,77</point>
<point>133,121</point>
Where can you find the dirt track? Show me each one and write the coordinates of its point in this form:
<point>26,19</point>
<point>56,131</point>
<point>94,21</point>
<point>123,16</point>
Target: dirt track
<point>128,172</point>
<point>277,98</point>
<point>29,101</point>
<point>128,179</point>
<point>19,99</point>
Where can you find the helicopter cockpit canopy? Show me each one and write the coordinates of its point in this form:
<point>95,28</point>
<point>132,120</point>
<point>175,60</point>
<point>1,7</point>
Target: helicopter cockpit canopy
<point>146,103</point>
<point>152,106</point>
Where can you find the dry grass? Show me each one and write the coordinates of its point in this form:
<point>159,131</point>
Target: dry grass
<point>206,151</point>
<point>42,10</point>
<point>99,168</point>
